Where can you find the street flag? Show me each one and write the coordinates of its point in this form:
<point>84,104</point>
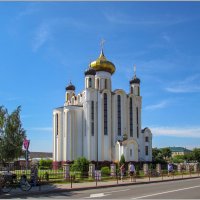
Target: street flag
<point>26,144</point>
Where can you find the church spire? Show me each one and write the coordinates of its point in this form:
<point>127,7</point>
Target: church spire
<point>134,69</point>
<point>101,44</point>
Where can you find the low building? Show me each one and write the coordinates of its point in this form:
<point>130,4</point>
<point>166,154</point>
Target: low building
<point>179,151</point>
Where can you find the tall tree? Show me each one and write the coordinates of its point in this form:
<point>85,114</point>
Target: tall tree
<point>196,154</point>
<point>157,156</point>
<point>166,152</point>
<point>11,135</point>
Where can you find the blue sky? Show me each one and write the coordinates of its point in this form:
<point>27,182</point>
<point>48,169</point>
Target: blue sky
<point>45,45</point>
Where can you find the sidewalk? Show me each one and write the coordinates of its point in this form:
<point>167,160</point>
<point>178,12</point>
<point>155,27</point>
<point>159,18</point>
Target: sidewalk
<point>53,188</point>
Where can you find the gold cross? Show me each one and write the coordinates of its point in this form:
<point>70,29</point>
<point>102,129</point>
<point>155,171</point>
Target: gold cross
<point>102,43</point>
<point>134,69</point>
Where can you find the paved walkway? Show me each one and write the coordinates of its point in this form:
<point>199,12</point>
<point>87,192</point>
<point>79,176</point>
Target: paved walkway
<point>52,188</point>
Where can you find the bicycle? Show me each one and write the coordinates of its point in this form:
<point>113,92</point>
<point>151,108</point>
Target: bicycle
<point>9,181</point>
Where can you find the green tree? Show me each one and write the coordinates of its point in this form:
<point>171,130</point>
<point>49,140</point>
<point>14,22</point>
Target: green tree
<point>196,154</point>
<point>122,160</point>
<point>157,155</point>
<point>178,159</point>
<point>166,152</point>
<point>11,135</point>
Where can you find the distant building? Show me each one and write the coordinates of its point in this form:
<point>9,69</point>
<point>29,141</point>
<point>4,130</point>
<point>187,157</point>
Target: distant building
<point>99,123</point>
<point>179,151</point>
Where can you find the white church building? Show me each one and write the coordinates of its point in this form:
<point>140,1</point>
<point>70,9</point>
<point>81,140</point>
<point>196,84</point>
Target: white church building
<point>99,123</point>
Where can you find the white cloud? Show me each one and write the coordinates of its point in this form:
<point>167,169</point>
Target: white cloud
<point>192,132</point>
<point>29,10</point>
<point>159,105</point>
<point>123,18</point>
<point>42,35</point>
<point>190,84</point>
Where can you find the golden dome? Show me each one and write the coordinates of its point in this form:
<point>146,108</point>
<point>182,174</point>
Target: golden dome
<point>102,64</point>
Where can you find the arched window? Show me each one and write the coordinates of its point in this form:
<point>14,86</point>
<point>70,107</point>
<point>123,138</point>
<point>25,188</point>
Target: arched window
<point>119,115</point>
<point>90,82</point>
<point>131,116</point>
<point>105,114</point>
<point>131,90</point>
<point>92,118</point>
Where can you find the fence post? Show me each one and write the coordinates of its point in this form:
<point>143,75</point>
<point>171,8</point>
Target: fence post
<point>117,177</point>
<point>96,178</point>
<point>71,180</point>
<point>149,175</point>
<point>182,173</point>
<point>162,174</point>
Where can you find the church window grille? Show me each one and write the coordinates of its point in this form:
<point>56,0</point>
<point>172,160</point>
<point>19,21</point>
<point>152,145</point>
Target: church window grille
<point>146,150</point>
<point>90,82</point>
<point>57,124</point>
<point>92,118</point>
<point>131,117</point>
<point>119,115</point>
<point>105,114</point>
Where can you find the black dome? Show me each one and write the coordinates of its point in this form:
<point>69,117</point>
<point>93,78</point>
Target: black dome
<point>70,87</point>
<point>90,71</point>
<point>135,80</point>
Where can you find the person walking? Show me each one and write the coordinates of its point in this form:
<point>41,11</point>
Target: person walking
<point>131,170</point>
<point>122,171</point>
<point>169,169</point>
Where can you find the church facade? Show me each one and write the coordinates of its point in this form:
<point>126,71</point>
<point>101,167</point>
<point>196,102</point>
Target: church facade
<point>101,124</point>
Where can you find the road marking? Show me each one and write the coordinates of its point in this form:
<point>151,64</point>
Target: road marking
<point>170,191</point>
<point>104,194</point>
<point>117,191</point>
<point>97,195</point>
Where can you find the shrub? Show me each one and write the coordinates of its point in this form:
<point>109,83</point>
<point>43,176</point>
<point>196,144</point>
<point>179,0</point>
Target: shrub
<point>81,165</point>
<point>105,171</point>
<point>45,164</point>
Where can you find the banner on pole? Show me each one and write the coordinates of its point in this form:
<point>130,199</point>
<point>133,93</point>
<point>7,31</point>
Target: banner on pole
<point>26,144</point>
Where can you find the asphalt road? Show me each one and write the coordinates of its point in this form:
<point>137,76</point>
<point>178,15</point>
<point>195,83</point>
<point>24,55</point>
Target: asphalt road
<point>183,189</point>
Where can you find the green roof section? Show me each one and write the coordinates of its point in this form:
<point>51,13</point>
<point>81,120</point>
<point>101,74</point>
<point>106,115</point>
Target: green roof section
<point>179,149</point>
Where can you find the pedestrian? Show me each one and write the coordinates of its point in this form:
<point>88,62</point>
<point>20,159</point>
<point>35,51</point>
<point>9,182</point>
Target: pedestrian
<point>122,171</point>
<point>169,168</point>
<point>131,170</point>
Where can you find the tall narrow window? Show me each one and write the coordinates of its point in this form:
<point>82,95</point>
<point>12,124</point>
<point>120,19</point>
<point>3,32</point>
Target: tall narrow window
<point>106,83</point>
<point>92,118</point>
<point>131,90</point>
<point>131,117</point>
<point>119,115</point>
<point>131,152</point>
<point>105,114</point>
<point>146,150</point>
<point>90,82</point>
<point>56,123</point>
<point>137,116</point>
<point>97,83</point>
<point>146,139</point>
<point>138,91</point>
